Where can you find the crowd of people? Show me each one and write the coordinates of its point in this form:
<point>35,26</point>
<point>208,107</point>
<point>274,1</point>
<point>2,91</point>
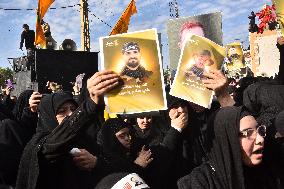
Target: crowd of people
<point>58,140</point>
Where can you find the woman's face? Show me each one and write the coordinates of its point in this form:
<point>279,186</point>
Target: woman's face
<point>177,110</point>
<point>251,141</point>
<point>144,122</point>
<point>124,137</point>
<point>65,110</point>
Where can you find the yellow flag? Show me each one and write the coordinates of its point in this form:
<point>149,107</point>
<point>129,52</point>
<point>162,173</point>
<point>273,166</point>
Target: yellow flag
<point>42,8</point>
<point>122,24</point>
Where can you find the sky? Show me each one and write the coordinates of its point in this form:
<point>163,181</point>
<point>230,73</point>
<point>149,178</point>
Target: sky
<point>65,22</point>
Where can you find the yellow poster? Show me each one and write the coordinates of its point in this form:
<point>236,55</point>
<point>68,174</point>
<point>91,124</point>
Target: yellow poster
<point>136,58</point>
<point>234,60</point>
<point>280,13</point>
<point>198,55</point>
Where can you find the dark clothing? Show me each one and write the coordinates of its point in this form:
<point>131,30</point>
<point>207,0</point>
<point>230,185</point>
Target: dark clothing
<point>119,159</point>
<point>46,162</point>
<point>13,138</point>
<point>5,113</point>
<point>8,102</point>
<point>22,102</point>
<point>140,73</point>
<point>281,66</point>
<point>159,173</point>
<point>29,38</point>
<point>264,101</point>
<point>149,137</point>
<point>224,168</point>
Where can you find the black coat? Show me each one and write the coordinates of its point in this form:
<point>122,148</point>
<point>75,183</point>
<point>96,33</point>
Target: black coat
<point>46,162</point>
<point>28,37</point>
<point>13,138</point>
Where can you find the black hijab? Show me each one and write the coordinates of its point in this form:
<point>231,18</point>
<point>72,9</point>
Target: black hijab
<point>117,157</point>
<point>48,107</point>
<point>225,165</point>
<point>22,102</point>
<point>223,146</point>
<point>110,143</point>
<point>265,101</point>
<point>29,165</point>
<point>5,113</point>
<point>279,123</point>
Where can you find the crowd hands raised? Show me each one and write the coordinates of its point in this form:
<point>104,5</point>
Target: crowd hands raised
<point>54,141</point>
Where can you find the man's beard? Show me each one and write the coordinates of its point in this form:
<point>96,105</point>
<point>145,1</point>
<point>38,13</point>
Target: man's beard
<point>133,63</point>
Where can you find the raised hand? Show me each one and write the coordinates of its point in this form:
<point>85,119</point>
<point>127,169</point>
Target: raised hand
<point>100,83</point>
<point>144,157</point>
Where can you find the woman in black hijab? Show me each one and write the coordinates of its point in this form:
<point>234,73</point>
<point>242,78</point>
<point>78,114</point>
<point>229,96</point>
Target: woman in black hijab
<point>46,161</point>
<point>235,150</point>
<point>119,149</point>
<point>13,138</point>
<point>22,103</point>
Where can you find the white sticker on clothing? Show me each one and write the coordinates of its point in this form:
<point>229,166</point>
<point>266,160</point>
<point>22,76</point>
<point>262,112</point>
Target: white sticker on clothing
<point>131,181</point>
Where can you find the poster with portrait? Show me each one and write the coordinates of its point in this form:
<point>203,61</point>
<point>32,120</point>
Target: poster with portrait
<point>234,61</point>
<point>136,58</point>
<point>181,29</point>
<point>280,13</point>
<point>199,55</point>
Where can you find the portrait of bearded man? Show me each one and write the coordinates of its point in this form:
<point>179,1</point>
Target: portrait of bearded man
<point>133,70</point>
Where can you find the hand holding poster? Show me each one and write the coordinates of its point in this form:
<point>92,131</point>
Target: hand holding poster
<point>198,56</point>
<point>136,57</point>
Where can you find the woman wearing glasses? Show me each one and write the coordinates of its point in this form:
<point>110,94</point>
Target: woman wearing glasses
<point>235,146</point>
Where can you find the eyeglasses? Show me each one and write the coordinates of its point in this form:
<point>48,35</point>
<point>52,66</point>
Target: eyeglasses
<point>251,133</point>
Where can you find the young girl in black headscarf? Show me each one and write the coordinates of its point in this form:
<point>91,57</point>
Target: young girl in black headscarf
<point>118,148</point>
<point>46,160</point>
<point>235,155</point>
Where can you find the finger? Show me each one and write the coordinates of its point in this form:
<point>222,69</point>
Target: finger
<point>106,83</point>
<point>103,78</point>
<point>219,73</point>
<point>79,158</point>
<point>209,75</point>
<point>208,81</point>
<point>107,88</point>
<point>210,86</point>
<point>35,101</point>
<point>148,155</point>
<point>35,93</point>
<point>149,160</point>
<point>143,148</point>
<point>100,73</point>
<point>181,115</point>
<point>36,97</point>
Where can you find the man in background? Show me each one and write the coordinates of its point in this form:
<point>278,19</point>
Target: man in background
<point>27,36</point>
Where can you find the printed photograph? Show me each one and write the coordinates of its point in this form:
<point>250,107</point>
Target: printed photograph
<point>199,55</point>
<point>181,29</point>
<point>136,58</point>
